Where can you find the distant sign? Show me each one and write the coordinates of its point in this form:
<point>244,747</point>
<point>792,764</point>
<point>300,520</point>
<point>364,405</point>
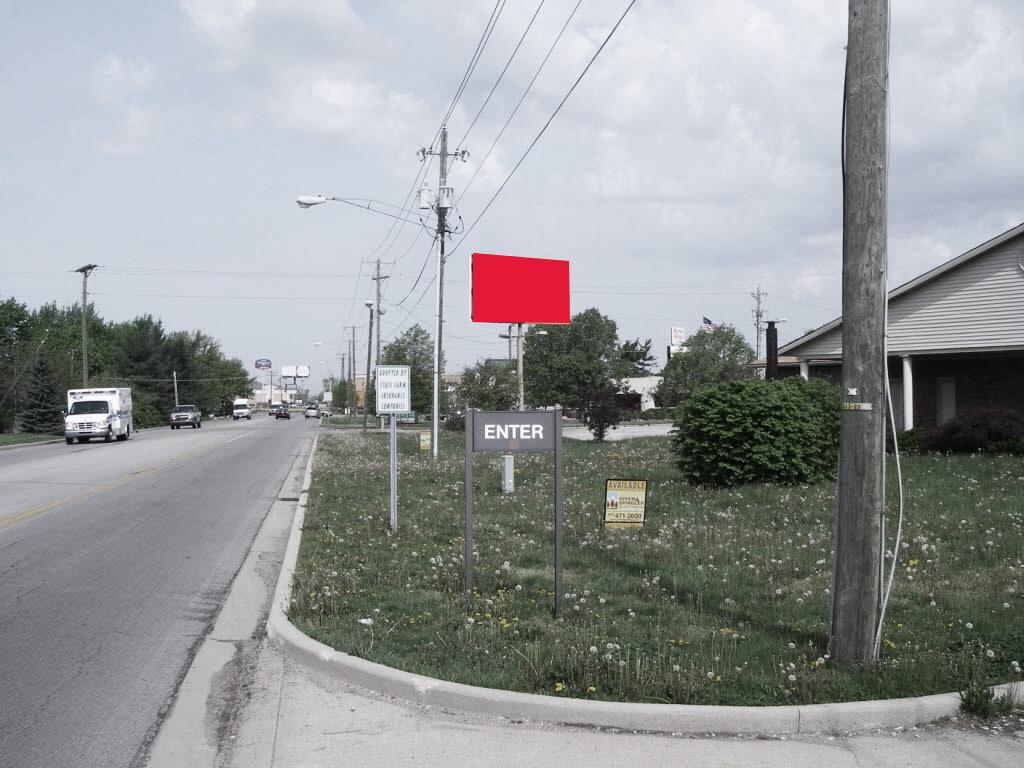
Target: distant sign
<point>302,371</point>
<point>514,431</point>
<point>288,372</point>
<point>516,289</point>
<point>678,336</point>
<point>393,390</point>
<point>625,503</point>
<point>424,441</point>
<point>263,364</point>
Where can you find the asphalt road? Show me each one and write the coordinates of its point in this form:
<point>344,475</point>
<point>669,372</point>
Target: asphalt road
<point>114,561</point>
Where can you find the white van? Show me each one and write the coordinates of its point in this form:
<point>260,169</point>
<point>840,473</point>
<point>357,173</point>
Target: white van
<point>100,412</point>
<point>240,409</point>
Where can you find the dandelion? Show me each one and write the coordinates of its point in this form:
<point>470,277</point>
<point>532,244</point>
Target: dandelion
<point>367,621</point>
<point>990,653</point>
<point>969,625</point>
<point>792,678</point>
<point>711,676</point>
<point>792,646</point>
<point>593,649</point>
<point>675,667</point>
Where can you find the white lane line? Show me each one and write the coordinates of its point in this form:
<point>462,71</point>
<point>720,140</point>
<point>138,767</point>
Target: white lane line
<point>239,437</point>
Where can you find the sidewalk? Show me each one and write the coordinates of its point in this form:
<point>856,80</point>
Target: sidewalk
<point>301,718</point>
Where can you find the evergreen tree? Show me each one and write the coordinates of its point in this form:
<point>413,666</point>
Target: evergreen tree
<point>40,412</point>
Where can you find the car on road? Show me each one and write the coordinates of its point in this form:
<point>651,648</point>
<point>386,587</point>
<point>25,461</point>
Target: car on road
<point>283,412</point>
<point>311,412</point>
<point>186,416</point>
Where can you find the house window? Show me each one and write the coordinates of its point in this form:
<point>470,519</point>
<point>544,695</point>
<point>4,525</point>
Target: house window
<point>945,400</point>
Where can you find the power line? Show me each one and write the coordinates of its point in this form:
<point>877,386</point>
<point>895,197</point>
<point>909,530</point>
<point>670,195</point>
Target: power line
<point>499,6</point>
<point>548,123</point>
<point>494,87</point>
<point>522,98</point>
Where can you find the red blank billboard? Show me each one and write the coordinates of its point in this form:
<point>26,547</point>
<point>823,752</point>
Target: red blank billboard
<point>515,289</point>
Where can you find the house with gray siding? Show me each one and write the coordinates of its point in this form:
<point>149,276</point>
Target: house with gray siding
<point>955,340</point>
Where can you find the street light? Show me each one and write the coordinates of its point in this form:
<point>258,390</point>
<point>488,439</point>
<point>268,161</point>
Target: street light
<point>366,384</point>
<point>508,336</point>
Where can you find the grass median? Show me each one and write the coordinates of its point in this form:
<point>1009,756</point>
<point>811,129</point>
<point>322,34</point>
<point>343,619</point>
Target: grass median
<point>722,598</point>
<point>24,437</point>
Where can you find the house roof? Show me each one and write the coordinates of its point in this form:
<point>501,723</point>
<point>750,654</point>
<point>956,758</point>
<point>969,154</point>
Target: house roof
<point>916,283</point>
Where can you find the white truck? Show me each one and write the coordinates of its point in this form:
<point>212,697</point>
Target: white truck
<point>99,412</point>
<point>240,409</point>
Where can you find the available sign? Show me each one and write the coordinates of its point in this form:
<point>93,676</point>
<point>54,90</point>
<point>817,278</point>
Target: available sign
<point>393,391</point>
<point>625,503</point>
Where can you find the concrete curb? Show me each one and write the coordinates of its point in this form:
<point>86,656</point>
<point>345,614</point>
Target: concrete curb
<point>848,717</point>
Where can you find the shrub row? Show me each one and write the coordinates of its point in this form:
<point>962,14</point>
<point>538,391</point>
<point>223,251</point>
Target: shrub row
<point>978,431</point>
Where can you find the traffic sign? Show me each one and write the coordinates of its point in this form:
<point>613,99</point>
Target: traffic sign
<point>393,391</point>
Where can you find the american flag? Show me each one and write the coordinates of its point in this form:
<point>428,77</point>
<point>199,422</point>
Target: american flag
<point>707,326</point>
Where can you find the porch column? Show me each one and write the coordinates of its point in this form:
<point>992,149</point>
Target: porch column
<point>908,393</point>
<point>805,370</point>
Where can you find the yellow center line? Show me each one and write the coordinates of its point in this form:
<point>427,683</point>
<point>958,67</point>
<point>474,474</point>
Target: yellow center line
<point>42,509</point>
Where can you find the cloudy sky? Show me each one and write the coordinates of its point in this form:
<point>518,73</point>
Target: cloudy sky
<point>697,160</point>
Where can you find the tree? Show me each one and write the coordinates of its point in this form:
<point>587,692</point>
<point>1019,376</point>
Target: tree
<point>713,357</point>
<point>601,411</point>
<point>414,348</point>
<point>40,411</point>
<point>635,359</point>
<point>490,385</point>
<point>571,361</point>
<point>15,324</point>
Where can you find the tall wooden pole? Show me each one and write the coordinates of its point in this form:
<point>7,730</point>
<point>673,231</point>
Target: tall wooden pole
<point>85,270</point>
<point>858,543</point>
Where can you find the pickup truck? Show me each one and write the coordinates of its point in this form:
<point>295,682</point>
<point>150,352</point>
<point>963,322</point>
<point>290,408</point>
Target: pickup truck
<point>186,416</point>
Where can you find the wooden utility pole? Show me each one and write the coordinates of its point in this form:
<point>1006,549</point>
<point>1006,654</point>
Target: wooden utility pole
<point>352,370</point>
<point>377,278</point>
<point>88,268</point>
<point>442,212</point>
<point>858,539</point>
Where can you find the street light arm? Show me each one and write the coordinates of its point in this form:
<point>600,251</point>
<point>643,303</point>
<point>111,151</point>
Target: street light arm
<point>308,201</point>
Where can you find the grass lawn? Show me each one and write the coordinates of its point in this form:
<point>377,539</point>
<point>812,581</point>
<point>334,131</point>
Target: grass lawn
<point>24,437</point>
<point>721,599</point>
<point>346,422</point>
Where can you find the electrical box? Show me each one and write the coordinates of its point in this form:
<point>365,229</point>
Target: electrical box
<point>444,198</point>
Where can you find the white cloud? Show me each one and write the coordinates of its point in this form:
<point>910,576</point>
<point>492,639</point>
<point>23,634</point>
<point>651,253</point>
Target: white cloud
<point>117,80</point>
<point>132,136</point>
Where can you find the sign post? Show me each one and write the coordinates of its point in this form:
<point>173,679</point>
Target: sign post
<point>394,397</point>
<point>513,432</point>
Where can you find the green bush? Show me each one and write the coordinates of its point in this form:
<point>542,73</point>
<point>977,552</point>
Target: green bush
<point>753,431</point>
<point>988,431</point>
